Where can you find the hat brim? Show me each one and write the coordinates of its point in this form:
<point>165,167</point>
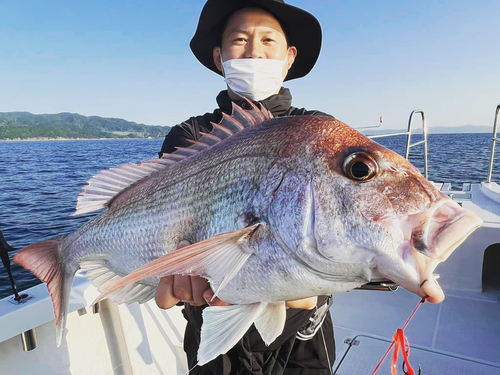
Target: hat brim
<point>302,30</point>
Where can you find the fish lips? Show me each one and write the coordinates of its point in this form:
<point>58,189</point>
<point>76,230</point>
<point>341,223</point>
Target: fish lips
<point>430,238</point>
<point>443,229</point>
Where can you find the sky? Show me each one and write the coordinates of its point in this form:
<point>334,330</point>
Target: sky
<point>131,60</point>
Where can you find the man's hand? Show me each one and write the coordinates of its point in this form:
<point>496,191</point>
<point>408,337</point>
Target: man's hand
<point>192,289</point>
<point>196,291</point>
<point>304,303</point>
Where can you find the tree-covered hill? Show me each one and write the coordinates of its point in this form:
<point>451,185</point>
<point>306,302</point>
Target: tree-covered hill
<point>24,125</point>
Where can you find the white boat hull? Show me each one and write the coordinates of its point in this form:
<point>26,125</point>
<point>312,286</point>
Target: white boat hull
<point>119,339</point>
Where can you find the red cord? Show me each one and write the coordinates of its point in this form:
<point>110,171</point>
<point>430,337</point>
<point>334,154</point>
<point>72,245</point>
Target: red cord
<point>400,342</point>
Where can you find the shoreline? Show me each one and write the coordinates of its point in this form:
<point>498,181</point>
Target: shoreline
<point>70,139</point>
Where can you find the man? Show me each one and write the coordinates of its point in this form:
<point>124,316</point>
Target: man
<point>255,45</point>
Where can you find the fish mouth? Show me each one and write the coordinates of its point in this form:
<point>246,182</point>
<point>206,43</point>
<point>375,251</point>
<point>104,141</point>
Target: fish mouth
<point>430,238</point>
<point>440,230</point>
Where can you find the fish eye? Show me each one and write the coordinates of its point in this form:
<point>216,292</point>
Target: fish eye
<point>360,166</point>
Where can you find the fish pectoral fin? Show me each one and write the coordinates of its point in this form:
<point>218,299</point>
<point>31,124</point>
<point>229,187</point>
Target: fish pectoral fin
<point>223,327</point>
<point>271,321</point>
<point>223,254</point>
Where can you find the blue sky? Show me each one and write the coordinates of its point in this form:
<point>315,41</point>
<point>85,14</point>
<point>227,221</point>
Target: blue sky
<point>131,60</point>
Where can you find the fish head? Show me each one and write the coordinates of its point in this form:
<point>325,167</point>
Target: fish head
<point>374,209</point>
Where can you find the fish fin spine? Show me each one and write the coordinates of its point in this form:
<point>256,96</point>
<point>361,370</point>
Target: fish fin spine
<point>43,260</point>
<point>252,116</point>
<point>228,125</point>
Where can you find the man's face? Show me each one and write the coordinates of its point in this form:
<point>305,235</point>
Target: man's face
<point>254,33</point>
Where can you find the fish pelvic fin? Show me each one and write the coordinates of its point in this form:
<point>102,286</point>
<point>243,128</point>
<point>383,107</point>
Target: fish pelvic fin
<point>224,326</point>
<point>43,260</point>
<point>271,321</point>
<point>102,188</point>
<point>224,254</point>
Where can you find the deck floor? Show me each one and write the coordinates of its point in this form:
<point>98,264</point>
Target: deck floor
<point>462,331</point>
<point>360,359</point>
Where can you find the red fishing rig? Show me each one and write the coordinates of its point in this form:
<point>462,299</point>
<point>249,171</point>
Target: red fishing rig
<point>400,343</point>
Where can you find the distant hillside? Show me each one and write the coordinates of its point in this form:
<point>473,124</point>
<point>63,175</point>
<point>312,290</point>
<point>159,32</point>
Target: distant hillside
<point>434,130</point>
<point>24,125</point>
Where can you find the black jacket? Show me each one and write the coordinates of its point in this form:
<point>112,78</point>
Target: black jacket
<point>287,354</point>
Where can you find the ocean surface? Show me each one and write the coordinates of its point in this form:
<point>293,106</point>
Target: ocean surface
<point>40,181</point>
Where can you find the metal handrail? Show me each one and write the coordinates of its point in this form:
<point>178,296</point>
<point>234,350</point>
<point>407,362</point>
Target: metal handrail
<point>408,134</point>
<point>495,140</point>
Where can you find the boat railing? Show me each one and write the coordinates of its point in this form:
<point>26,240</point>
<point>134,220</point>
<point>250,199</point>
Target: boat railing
<point>408,134</point>
<point>493,144</point>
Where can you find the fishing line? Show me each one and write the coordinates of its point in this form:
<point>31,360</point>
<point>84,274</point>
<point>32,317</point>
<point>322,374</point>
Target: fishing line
<point>326,350</point>
<point>400,341</point>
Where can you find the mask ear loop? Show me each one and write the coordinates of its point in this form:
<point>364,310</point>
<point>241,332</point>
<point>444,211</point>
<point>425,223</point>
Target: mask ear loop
<point>286,62</point>
<point>286,56</point>
<point>222,63</point>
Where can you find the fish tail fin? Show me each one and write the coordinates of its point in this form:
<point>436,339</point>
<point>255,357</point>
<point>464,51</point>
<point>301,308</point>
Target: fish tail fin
<point>44,261</point>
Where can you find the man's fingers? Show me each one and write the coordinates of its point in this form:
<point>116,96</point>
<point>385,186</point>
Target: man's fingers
<point>183,243</point>
<point>192,289</point>
<point>198,286</point>
<point>165,298</point>
<point>173,289</point>
<point>208,295</point>
<point>305,303</point>
<point>182,288</point>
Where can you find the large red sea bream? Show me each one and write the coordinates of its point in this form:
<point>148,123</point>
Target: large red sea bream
<point>275,209</point>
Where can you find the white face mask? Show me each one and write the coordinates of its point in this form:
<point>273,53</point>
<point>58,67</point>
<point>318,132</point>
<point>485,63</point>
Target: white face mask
<point>255,79</point>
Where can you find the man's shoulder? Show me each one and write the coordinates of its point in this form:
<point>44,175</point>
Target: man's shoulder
<point>203,120</point>
<point>200,123</point>
<point>294,111</point>
<point>182,134</point>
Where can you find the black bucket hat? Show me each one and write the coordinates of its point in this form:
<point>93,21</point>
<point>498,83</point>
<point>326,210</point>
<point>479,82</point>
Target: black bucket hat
<point>302,30</point>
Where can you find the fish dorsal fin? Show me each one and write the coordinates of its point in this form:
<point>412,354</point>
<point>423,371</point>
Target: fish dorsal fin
<point>236,122</point>
<point>107,184</point>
